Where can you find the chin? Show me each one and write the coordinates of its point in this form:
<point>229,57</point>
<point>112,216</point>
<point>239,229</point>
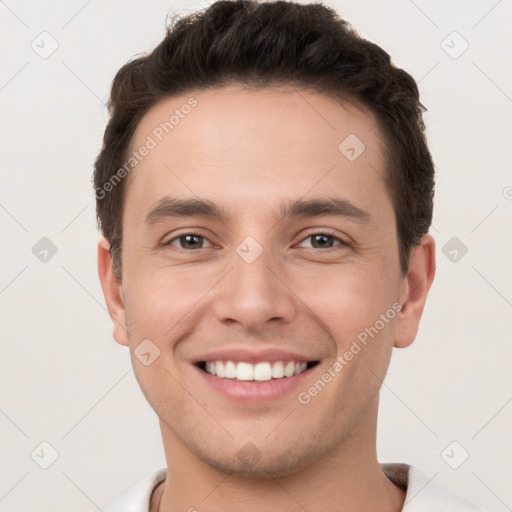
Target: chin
<point>264,468</point>
<point>258,460</point>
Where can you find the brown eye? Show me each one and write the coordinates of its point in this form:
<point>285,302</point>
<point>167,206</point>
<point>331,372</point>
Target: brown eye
<point>190,241</point>
<point>324,240</point>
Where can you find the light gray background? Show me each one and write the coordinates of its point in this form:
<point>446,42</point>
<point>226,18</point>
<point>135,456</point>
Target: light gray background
<point>63,378</point>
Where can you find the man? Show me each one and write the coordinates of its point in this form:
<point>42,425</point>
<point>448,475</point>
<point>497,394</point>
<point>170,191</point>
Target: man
<point>265,193</point>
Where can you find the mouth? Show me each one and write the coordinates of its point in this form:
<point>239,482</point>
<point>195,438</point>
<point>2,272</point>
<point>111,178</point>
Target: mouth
<point>246,376</point>
<point>263,371</point>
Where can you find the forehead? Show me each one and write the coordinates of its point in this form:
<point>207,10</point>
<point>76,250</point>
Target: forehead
<point>244,146</point>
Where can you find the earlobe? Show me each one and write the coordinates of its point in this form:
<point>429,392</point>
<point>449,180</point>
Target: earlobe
<point>414,291</point>
<point>112,291</point>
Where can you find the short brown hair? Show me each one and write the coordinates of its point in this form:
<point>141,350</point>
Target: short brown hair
<point>267,44</point>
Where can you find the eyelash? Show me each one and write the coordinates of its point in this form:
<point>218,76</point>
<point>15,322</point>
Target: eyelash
<point>324,232</point>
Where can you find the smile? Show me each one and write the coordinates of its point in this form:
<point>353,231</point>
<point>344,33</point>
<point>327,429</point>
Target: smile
<point>260,372</point>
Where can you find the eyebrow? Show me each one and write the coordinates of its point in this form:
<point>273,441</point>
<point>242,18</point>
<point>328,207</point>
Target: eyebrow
<point>194,207</point>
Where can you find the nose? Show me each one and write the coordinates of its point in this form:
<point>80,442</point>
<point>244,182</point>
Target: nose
<point>253,293</point>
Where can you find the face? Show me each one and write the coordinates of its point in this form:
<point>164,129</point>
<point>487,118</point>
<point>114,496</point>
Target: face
<point>286,264</point>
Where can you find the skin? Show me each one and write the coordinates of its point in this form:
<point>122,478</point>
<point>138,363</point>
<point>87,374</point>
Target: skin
<point>248,150</point>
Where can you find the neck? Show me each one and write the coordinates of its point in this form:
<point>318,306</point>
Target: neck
<point>347,478</point>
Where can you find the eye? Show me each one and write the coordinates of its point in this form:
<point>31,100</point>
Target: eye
<point>191,241</point>
<point>324,240</point>
<point>194,241</point>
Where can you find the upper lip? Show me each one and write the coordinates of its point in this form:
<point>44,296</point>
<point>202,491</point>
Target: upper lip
<point>237,354</point>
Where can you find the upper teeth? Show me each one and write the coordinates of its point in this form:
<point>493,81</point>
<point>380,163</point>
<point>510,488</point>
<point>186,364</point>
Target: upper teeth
<point>260,371</point>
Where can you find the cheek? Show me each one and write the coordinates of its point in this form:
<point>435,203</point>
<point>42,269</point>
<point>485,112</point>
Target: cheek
<point>349,300</point>
<point>160,298</point>
<point>349,306</point>
<point>358,309</point>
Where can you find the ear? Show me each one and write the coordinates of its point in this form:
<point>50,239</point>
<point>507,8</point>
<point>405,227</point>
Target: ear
<point>112,292</point>
<point>414,290</point>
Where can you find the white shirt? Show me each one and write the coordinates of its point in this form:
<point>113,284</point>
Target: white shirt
<point>422,495</point>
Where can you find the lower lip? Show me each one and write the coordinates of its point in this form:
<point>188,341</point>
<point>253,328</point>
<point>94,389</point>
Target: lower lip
<point>253,391</point>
